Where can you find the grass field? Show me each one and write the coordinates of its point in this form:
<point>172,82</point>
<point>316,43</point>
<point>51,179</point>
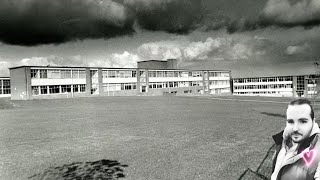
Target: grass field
<point>156,137</point>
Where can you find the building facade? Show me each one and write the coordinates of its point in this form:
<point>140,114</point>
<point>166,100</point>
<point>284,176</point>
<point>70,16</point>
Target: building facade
<point>5,87</point>
<point>278,86</point>
<point>42,82</point>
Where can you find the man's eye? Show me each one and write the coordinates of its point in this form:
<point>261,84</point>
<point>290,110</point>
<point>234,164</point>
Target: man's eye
<point>290,122</point>
<point>303,122</point>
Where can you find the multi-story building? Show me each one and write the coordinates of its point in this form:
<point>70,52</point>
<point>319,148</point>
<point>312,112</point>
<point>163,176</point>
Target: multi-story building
<point>150,78</point>
<point>5,87</point>
<point>278,86</point>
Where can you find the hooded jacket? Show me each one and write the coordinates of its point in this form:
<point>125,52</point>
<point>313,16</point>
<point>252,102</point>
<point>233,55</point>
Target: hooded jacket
<point>289,163</point>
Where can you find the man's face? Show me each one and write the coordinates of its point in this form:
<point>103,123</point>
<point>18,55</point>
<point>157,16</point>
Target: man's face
<point>299,122</point>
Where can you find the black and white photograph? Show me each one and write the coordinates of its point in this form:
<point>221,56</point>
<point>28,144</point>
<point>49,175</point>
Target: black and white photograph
<point>159,89</point>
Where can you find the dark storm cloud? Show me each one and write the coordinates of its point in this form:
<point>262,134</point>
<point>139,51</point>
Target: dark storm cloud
<point>173,16</point>
<point>281,13</point>
<point>32,22</point>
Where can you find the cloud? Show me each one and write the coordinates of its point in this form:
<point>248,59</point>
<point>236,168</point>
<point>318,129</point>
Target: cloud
<point>288,13</point>
<point>161,50</point>
<point>120,60</point>
<point>31,22</point>
<point>220,48</point>
<point>201,50</point>
<point>4,71</point>
<point>124,60</point>
<point>293,50</point>
<point>174,16</point>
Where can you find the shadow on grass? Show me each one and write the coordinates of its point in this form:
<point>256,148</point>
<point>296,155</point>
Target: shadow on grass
<point>102,170</point>
<point>274,114</point>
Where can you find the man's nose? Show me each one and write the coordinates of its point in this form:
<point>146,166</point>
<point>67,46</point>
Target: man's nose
<point>295,127</point>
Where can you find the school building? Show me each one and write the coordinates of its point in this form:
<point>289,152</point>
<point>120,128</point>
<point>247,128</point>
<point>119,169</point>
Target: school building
<point>277,86</point>
<point>150,78</point>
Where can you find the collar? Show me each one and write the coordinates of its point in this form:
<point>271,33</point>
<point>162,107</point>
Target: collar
<point>280,137</point>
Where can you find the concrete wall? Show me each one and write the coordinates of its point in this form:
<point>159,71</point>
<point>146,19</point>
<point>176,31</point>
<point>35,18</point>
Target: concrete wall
<point>18,81</point>
<point>120,93</point>
<point>179,91</point>
<point>57,96</point>
<point>152,64</point>
<point>88,82</point>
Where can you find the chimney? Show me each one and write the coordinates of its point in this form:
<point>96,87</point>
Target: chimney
<point>172,64</point>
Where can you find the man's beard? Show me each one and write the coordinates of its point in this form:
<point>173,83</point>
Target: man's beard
<point>297,133</point>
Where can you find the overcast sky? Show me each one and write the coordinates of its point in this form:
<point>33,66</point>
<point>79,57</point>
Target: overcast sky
<point>248,37</point>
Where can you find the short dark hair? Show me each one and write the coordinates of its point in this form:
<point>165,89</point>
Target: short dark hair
<point>303,101</point>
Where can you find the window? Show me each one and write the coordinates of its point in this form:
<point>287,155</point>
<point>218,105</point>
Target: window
<point>152,74</point>
<point>54,89</point>
<point>159,74</point>
<point>170,74</point>
<point>82,88</point>
<point>44,89</point>
<point>196,74</point>
<point>111,74</point>
<point>82,74</point>
<point>54,74</point>
<point>134,73</point>
<point>75,88</point>
<point>35,90</point>
<point>65,74</point>
<point>6,87</point>
<point>43,73</point>
<point>128,86</point>
<point>65,88</point>
<point>34,73</point>
<point>75,74</point>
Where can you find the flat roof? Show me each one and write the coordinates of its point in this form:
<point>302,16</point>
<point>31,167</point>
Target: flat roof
<point>272,76</point>
<point>112,68</point>
<point>152,60</point>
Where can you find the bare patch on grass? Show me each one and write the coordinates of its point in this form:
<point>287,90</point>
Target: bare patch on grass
<point>102,170</point>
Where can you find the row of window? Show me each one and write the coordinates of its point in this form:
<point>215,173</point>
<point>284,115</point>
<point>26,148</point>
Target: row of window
<point>220,90</point>
<point>266,92</point>
<point>186,74</point>
<point>56,89</point>
<point>62,74</point>
<point>118,74</point>
<point>119,86</point>
<point>220,82</point>
<point>58,74</point>
<point>264,79</point>
<point>154,85</point>
<point>266,86</point>
<point>5,87</point>
<point>219,74</point>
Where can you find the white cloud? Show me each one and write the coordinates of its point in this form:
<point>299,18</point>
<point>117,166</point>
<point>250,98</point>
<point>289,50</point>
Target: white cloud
<point>124,60</point>
<point>161,50</point>
<point>292,50</point>
<point>214,49</point>
<point>4,71</point>
<point>201,50</point>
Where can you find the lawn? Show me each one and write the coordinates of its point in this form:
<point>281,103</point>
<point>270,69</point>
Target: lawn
<point>162,137</point>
